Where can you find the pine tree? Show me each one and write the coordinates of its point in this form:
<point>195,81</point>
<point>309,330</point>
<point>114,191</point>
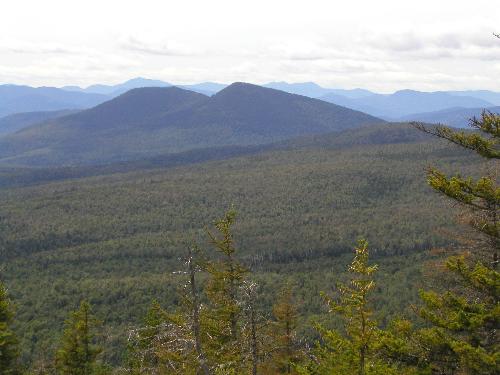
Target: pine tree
<point>253,335</point>
<point>465,319</point>
<point>77,354</point>
<point>210,338</point>
<point>354,352</point>
<point>226,276</point>
<point>142,356</point>
<point>173,342</point>
<point>480,198</point>
<point>286,350</point>
<point>8,341</point>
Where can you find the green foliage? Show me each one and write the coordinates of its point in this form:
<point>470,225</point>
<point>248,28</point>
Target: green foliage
<point>225,281</point>
<point>78,352</point>
<point>208,338</point>
<point>8,342</point>
<point>141,351</point>
<point>464,320</point>
<point>116,239</point>
<point>285,347</point>
<point>173,343</point>
<point>485,144</point>
<point>354,353</point>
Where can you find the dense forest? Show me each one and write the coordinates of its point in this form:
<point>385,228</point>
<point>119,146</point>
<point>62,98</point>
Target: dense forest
<point>246,264</point>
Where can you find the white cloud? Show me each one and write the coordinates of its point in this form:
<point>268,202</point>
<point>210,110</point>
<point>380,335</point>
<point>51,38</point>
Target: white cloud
<point>382,45</point>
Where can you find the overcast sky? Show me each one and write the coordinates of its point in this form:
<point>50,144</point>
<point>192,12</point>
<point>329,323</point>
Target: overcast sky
<point>381,45</point>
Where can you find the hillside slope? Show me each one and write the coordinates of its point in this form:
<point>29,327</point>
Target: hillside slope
<point>17,99</point>
<point>18,121</point>
<point>116,239</point>
<point>152,121</point>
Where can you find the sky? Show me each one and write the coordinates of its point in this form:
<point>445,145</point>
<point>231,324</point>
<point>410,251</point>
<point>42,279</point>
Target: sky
<point>381,45</point>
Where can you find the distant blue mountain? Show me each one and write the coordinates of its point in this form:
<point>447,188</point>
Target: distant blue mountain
<point>17,99</point>
<point>387,106</point>
<point>115,90</point>
<point>489,96</point>
<point>206,88</point>
<point>310,89</point>
<point>13,123</point>
<point>314,90</point>
<point>406,102</point>
<point>151,121</point>
<point>456,117</point>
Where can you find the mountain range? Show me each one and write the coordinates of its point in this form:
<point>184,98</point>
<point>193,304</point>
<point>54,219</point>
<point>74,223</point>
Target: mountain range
<point>456,117</point>
<point>18,121</point>
<point>314,90</point>
<point>393,107</point>
<point>17,99</point>
<point>151,121</point>
<point>207,88</point>
<point>405,102</point>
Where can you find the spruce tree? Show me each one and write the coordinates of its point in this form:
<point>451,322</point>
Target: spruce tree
<point>8,341</point>
<point>77,353</point>
<point>285,348</point>
<point>353,352</point>
<point>254,339</point>
<point>216,337</point>
<point>226,276</point>
<point>173,343</point>
<point>465,319</point>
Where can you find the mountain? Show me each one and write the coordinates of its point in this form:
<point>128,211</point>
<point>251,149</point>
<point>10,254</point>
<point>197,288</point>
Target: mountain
<point>371,135</point>
<point>115,90</point>
<point>152,121</point>
<point>310,89</point>
<point>489,96</point>
<point>456,117</point>
<point>206,88</point>
<point>17,99</point>
<point>406,102</point>
<point>18,121</point>
<point>313,90</point>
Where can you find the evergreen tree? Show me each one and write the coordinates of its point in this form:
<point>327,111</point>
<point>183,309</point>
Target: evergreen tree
<point>77,354</point>
<point>355,352</point>
<point>8,340</point>
<point>172,342</point>
<point>254,339</point>
<point>211,338</point>
<point>465,319</point>
<point>286,350</point>
<point>142,357</point>
<point>479,199</point>
<point>226,276</point>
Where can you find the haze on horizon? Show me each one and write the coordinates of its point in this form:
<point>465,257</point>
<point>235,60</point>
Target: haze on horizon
<point>382,46</point>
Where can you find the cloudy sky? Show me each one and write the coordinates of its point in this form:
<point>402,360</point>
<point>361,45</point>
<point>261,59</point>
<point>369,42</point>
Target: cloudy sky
<point>382,45</point>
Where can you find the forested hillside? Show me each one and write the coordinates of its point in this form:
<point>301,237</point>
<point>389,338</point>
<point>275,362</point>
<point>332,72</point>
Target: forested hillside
<point>152,121</point>
<point>18,121</point>
<point>115,239</point>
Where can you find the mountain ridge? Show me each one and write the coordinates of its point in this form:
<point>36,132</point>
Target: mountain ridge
<point>404,102</point>
<point>140,123</point>
<point>18,99</point>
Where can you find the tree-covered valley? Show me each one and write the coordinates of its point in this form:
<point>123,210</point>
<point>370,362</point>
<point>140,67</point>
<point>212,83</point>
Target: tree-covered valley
<point>117,238</point>
<point>249,188</point>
